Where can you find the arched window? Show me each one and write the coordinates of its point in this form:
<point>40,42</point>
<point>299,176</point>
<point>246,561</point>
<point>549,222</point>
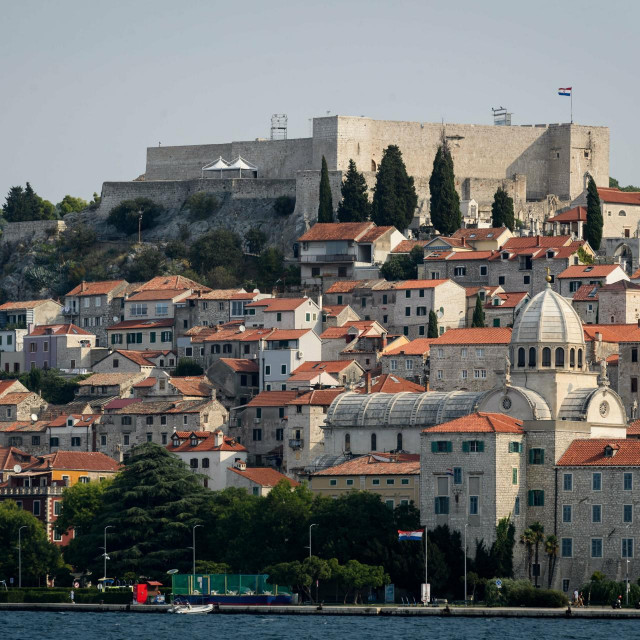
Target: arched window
<point>546,357</point>
<point>532,356</point>
<point>521,357</point>
<point>374,442</point>
<point>399,442</point>
<point>579,358</point>
<point>572,358</point>
<point>373,165</point>
<point>347,442</point>
<point>622,213</point>
<point>559,357</point>
<point>193,463</point>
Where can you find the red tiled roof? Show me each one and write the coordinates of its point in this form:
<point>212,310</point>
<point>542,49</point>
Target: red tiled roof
<point>333,310</point>
<point>141,324</point>
<point>461,255</point>
<point>419,284</point>
<point>480,234</point>
<point>280,304</point>
<point>636,274</point>
<point>272,399</point>
<point>25,304</point>
<point>613,360</point>
<point>161,294</point>
<point>510,299</point>
<point>207,443</point>
<point>634,428</point>
<point>341,332</point>
<point>577,214</point>
<point>15,398</point>
<point>77,461</point>
<point>615,196</point>
<point>24,426</point>
<point>486,335</point>
<point>473,291</point>
<point>344,286</point>
<point>146,383</point>
<point>612,332</point>
<point>588,271</point>
<point>373,234</point>
<point>171,282</point>
<point>5,385</point>
<point>121,403</point>
<point>233,334</point>
<point>318,397</point>
<point>417,347</point>
<point>591,452</point>
<point>378,464</point>
<point>620,285</point>
<point>100,288</point>
<point>459,243</point>
<point>328,366</point>
<point>530,242</point>
<point>192,386</point>
<point>388,383</point>
<point>288,334</point>
<point>479,422</point>
<point>586,292</point>
<point>58,330</point>
<point>219,294</point>
<point>82,420</point>
<point>405,246</point>
<point>336,231</point>
<point>11,456</point>
<point>108,379</point>
<point>264,476</point>
<point>241,365</point>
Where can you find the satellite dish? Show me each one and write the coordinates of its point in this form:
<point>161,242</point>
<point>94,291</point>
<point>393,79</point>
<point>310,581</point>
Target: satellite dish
<point>173,571</point>
<point>34,417</point>
<point>256,291</point>
<point>17,468</point>
<point>116,318</point>
<point>242,328</point>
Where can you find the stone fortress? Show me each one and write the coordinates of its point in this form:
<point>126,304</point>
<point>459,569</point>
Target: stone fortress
<point>543,167</point>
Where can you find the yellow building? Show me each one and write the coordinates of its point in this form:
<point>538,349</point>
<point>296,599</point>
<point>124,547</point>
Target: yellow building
<point>395,477</point>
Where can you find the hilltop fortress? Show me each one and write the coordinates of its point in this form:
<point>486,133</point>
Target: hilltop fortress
<point>543,167</point>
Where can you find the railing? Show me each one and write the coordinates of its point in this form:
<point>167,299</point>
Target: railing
<point>296,444</point>
<point>335,257</point>
<point>31,491</point>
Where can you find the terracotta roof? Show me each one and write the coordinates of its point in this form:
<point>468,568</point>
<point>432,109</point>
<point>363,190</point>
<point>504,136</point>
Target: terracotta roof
<point>405,246</point>
<point>537,241</point>
<point>636,274</point>
<point>419,284</point>
<point>510,299</point>
<point>345,286</point>
<point>218,294</point>
<point>16,398</point>
<point>5,385</point>
<point>192,386</point>
<point>138,357</point>
<point>272,399</point>
<point>587,293</point>
<point>388,383</point>
<point>82,420</point>
<point>24,426</point>
<point>417,347</point>
<point>620,285</point>
<point>264,476</point>
<point>161,294</point>
<point>141,324</point>
<point>634,428</point>
<point>486,335</point>
<point>328,366</point>
<point>121,403</point>
<point>363,326</point>
<point>25,304</point>
<point>615,196</point>
<point>108,379</point>
<point>159,407</point>
<point>100,288</point>
<point>378,464</point>
<point>146,383</point>
<point>461,255</point>
<point>336,231</point>
<point>472,292</point>
<point>207,442</point>
<point>279,304</point>
<point>318,397</point>
<point>577,214</point>
<point>288,334</point>
<point>479,422</point>
<point>612,332</point>
<point>58,330</point>
<point>77,461</point>
<point>480,234</point>
<point>171,282</point>
<point>459,243</point>
<point>200,330</point>
<point>591,453</point>
<point>333,310</point>
<point>373,234</point>
<point>588,271</point>
<point>613,360</point>
<point>11,456</point>
<point>241,365</point>
<point>234,334</point>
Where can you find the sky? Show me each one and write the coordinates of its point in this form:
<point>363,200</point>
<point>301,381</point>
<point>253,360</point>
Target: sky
<point>87,86</point>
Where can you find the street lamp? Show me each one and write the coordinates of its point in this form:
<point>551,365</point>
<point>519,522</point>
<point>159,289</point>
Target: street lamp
<point>20,554</point>
<point>310,527</point>
<point>104,555</point>
<point>465,563</point>
<point>626,583</point>
<point>194,549</point>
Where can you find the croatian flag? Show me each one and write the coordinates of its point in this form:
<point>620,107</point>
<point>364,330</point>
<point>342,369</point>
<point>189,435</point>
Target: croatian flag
<point>409,535</point>
<point>564,92</point>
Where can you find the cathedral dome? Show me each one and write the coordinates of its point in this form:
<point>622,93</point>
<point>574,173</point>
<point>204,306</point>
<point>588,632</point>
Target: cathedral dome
<point>548,319</point>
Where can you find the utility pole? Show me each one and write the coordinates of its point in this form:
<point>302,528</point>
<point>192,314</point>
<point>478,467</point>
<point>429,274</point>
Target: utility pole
<point>139,226</point>
<point>465,563</point>
<point>20,554</point>
<point>105,556</point>
<point>310,526</point>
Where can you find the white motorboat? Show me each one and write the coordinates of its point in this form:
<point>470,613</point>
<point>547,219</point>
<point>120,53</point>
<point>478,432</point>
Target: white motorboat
<point>191,609</point>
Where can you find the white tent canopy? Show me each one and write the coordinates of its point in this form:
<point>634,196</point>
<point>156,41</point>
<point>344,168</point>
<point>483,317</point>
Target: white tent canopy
<point>218,165</point>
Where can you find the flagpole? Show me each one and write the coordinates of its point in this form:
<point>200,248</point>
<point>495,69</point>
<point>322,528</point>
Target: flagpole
<point>426,565</point>
<point>571,105</point>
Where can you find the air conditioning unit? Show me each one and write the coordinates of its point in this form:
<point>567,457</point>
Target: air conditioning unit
<point>252,356</point>
<point>256,421</point>
<point>300,355</point>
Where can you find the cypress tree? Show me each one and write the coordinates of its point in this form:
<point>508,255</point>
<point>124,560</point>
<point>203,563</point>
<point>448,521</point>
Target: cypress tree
<point>445,201</point>
<point>432,329</point>
<point>593,226</point>
<point>502,210</point>
<point>394,198</point>
<point>325,205</point>
<point>355,205</point>
<point>478,315</point>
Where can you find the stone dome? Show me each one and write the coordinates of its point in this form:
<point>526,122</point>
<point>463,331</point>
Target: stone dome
<point>548,319</point>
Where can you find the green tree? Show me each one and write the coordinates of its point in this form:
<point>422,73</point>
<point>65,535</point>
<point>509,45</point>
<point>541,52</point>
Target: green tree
<point>551,547</point>
<point>394,197</point>
<point>538,536</point>
<point>478,314</point>
<point>69,204</point>
<point>146,264</point>
<point>355,205</point>
<point>188,367</point>
<point>502,548</point>
<point>217,248</point>
<point>594,224</point>
<point>527,538</point>
<point>445,201</point>
<point>400,267</point>
<point>80,505</point>
<point>201,205</point>
<point>432,329</point>
<point>284,205</point>
<point>221,278</point>
<point>25,204</point>
<point>358,576</point>
<point>39,556</point>
<point>271,266</point>
<point>53,387</point>
<point>255,240</point>
<point>502,214</point>
<point>584,256</point>
<point>417,255</point>
<point>125,217</point>
<point>325,203</point>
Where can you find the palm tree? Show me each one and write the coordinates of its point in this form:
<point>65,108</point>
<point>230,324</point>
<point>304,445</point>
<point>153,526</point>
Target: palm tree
<point>538,537</point>
<point>551,547</point>
<point>527,538</point>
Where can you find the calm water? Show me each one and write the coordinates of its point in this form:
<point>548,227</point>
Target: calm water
<point>140,626</point>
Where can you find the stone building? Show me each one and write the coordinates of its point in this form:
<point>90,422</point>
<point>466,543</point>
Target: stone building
<point>501,308</point>
<point>237,380</point>
<point>410,361</point>
<point>255,481</point>
<point>468,359</point>
<point>337,315</point>
<point>12,350</point>
<point>59,346</point>
<point>620,211</point>
<point>362,341</point>
<point>27,313</point>
<point>573,277</point>
<point>586,302</point>
<point>619,302</point>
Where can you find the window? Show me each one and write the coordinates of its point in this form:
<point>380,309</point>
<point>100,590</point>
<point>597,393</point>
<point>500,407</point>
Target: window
<point>473,505</point>
<point>515,447</point>
<point>149,420</point>
<point>457,475</point>
<point>407,311</point>
<point>279,434</point>
<point>536,456</point>
<point>596,547</point>
<point>474,496</point>
<point>393,365</point>
<point>404,481</point>
<point>627,482</point>
<point>621,212</point>
<point>566,548</point>
<point>559,357</point>
<point>384,298</point>
<point>35,440</point>
<point>391,481</point>
<point>33,347</point>
<point>267,370</point>
<point>421,311</point>
<point>501,280</point>
<point>57,507</point>
<point>596,513</point>
<point>339,300</point>
<point>532,356</point>
<point>634,355</point>
<point>375,481</point>
<point>407,293</point>
<point>572,358</point>
<point>479,353</point>
<point>483,270</point>
<point>162,309</point>
<point>75,442</point>
<point>460,271</point>
<point>257,435</point>
<point>567,482</point>
<point>283,369</point>
<point>442,505</point>
<point>567,512</point>
<point>465,374</point>
<point>138,309</point>
<point>439,375</point>
<point>596,481</point>
<point>164,438</point>
<point>536,498</point>
<point>627,513</point>
<point>167,336</point>
<point>54,442</point>
<point>514,475</point>
<point>580,358</point>
<point>205,463</point>
<point>36,507</point>
<point>349,482</point>
<point>473,446</point>
<point>333,483</point>
<point>149,437</point>
<point>193,463</point>
<point>125,439</point>
<point>526,279</point>
<point>125,421</point>
<point>374,442</point>
<point>574,285</point>
<point>256,491</point>
<point>390,503</point>
<point>103,440</point>
<point>480,374</point>
<point>116,338</point>
<point>185,419</point>
<point>441,446</point>
<point>627,547</point>
<point>516,507</point>
<point>45,347</point>
<point>565,582</point>
<point>634,385</point>
<point>546,357</point>
<point>347,442</point>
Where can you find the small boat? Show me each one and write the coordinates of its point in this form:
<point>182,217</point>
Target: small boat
<point>191,609</point>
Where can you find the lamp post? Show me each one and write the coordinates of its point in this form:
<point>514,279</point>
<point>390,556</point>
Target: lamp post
<point>105,556</point>
<point>310,527</point>
<point>194,549</point>
<point>465,563</point>
<point>20,554</point>
<point>626,582</point>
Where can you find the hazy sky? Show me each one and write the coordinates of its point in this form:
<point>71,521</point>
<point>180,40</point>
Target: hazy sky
<point>87,85</point>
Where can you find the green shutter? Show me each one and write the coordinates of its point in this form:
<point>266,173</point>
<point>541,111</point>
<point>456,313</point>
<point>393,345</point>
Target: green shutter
<point>530,498</point>
<point>434,447</point>
<point>465,447</point>
<point>152,336</point>
<point>480,446</point>
<point>530,456</point>
<point>113,338</point>
<point>449,447</point>
<point>541,456</point>
<point>542,498</point>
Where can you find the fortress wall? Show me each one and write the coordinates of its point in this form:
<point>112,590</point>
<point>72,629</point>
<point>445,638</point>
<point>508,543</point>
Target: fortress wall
<point>595,141</point>
<point>308,190</point>
<point>275,159</point>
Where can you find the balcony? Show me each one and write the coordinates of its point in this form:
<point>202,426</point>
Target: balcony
<point>32,491</point>
<point>335,257</point>
<point>296,444</point>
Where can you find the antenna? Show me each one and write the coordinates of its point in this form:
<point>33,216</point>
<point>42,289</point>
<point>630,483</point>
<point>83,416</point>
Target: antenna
<point>279,126</point>
<point>501,117</point>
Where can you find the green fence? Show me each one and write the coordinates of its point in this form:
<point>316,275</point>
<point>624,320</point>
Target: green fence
<point>225,584</point>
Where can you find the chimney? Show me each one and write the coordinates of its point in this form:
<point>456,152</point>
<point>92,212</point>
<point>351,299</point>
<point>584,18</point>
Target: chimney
<point>367,382</point>
<point>464,243</point>
<point>83,286</point>
<point>537,241</point>
<point>218,438</point>
<point>320,302</point>
<point>599,336</point>
<point>240,464</point>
